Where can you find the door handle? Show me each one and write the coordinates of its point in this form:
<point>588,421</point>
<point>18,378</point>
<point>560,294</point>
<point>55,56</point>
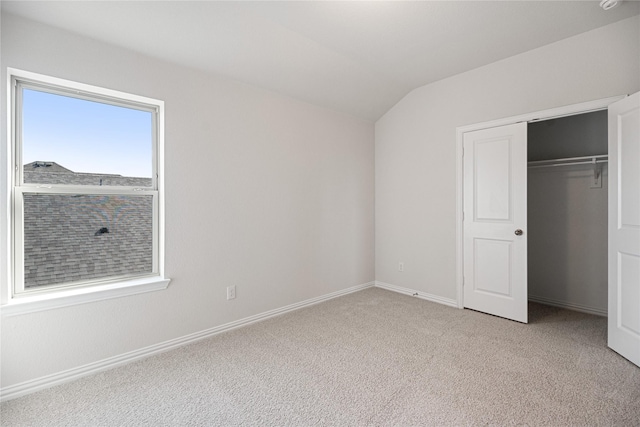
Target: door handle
<point>519,232</point>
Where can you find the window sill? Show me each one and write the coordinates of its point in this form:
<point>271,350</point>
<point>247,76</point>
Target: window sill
<point>53,300</point>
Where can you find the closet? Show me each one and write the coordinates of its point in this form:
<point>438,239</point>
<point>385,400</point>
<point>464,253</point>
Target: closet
<point>567,212</point>
<point>549,211</point>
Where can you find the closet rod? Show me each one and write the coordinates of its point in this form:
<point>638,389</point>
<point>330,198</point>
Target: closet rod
<point>585,160</point>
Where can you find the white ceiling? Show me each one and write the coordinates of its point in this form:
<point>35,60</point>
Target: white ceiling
<point>357,57</point>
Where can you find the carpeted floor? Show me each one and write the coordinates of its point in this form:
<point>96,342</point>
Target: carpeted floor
<point>372,358</point>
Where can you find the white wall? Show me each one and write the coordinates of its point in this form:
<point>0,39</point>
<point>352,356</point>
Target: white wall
<point>416,142</point>
<point>263,192</point>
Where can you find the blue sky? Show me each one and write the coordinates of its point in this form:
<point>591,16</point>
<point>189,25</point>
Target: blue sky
<point>86,136</point>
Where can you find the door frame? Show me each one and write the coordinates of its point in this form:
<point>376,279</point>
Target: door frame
<point>568,110</point>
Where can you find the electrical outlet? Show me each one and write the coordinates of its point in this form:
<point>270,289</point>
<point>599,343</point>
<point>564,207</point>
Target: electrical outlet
<point>401,266</point>
<point>231,292</point>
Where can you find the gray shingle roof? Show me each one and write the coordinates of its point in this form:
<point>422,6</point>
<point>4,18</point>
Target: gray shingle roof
<point>70,238</point>
<point>53,173</point>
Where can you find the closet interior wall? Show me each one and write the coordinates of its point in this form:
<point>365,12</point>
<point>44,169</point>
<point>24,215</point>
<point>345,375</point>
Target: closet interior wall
<point>567,214</point>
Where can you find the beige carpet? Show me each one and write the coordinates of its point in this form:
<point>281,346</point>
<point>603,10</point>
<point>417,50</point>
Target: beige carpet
<point>373,358</point>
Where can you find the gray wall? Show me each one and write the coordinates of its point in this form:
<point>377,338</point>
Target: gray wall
<point>572,136</point>
<point>263,192</point>
<point>567,219</point>
<point>416,141</point>
<point>568,238</point>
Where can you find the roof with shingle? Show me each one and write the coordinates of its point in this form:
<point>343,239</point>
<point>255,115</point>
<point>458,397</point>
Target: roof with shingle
<point>76,237</point>
<point>53,173</point>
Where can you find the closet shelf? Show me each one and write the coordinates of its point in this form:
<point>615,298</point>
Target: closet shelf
<point>586,160</point>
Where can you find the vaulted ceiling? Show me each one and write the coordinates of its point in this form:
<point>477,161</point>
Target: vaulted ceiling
<point>357,57</point>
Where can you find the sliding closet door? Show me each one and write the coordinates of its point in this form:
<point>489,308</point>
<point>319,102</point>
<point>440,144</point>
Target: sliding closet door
<point>624,227</point>
<point>495,221</point>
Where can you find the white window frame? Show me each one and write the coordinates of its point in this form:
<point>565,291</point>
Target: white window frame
<point>15,298</point>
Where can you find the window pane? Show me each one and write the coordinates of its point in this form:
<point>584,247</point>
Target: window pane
<point>67,140</point>
<point>75,237</point>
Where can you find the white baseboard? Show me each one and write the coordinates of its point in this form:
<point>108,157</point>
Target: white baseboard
<point>568,305</point>
<point>418,294</point>
<point>31,386</point>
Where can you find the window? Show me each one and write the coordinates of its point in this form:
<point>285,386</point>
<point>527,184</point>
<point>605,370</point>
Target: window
<point>87,197</point>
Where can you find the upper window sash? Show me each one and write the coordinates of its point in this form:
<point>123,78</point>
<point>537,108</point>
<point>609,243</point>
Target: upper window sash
<point>79,92</point>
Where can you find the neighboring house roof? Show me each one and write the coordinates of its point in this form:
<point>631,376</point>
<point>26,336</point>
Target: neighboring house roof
<point>52,173</point>
<point>71,237</point>
<point>45,167</point>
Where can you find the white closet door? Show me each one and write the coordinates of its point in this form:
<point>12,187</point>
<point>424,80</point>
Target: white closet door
<point>495,221</point>
<point>624,227</point>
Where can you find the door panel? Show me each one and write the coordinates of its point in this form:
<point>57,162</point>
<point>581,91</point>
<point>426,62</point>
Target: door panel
<point>624,228</point>
<point>628,155</point>
<point>495,206</point>
<point>487,278</point>
<point>629,295</point>
<point>492,195</point>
